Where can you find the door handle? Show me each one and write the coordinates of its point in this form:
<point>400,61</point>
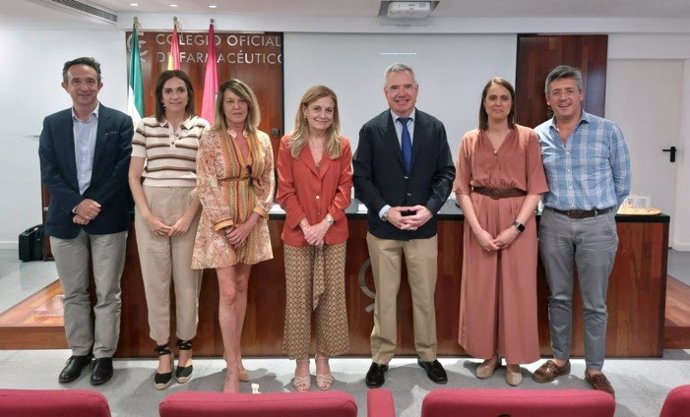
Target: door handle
<point>672,150</point>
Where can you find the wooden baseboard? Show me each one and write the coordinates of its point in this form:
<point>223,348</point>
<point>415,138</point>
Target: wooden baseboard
<point>35,323</point>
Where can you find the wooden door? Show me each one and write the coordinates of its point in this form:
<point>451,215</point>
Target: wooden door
<point>537,55</point>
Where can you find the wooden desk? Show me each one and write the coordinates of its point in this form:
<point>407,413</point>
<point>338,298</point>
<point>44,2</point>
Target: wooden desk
<point>636,296</point>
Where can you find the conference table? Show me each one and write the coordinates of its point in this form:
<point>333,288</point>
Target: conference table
<point>636,296</point>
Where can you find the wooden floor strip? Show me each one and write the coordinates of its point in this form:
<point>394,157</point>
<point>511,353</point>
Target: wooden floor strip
<point>35,323</point>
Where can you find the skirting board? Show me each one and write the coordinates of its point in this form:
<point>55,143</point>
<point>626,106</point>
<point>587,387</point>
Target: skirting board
<point>8,244</point>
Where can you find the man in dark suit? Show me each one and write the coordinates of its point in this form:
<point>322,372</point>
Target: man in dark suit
<point>84,153</point>
<point>403,173</point>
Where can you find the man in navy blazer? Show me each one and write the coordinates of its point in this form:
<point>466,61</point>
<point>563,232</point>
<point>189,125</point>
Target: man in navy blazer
<point>403,173</point>
<point>84,153</point>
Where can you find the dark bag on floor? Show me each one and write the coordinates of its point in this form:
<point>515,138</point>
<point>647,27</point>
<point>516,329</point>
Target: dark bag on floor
<point>31,244</point>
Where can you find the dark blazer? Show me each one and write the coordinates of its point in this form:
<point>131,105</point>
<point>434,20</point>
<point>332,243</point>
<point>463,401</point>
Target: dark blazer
<point>108,181</point>
<point>380,177</point>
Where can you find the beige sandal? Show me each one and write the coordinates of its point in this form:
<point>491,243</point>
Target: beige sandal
<point>324,381</point>
<point>302,383</point>
<point>487,368</point>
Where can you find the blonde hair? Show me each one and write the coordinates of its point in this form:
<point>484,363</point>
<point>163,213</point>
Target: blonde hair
<point>300,133</point>
<point>251,123</point>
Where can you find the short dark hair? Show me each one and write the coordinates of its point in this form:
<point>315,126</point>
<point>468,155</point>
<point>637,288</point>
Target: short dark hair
<point>484,116</point>
<point>163,77</point>
<point>564,71</point>
<point>82,61</point>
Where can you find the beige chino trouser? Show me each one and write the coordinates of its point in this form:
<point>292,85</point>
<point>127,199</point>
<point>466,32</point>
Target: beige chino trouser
<point>422,270</point>
<point>165,260</point>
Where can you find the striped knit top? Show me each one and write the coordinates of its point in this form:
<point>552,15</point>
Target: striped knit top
<point>170,156</point>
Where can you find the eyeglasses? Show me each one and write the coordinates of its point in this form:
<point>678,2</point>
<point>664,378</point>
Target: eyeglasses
<point>568,92</point>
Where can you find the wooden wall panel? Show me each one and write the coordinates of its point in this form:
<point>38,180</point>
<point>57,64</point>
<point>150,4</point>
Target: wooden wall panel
<point>537,55</point>
<point>255,58</point>
<point>636,298</point>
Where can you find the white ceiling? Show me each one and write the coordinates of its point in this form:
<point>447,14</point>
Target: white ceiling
<point>39,14</point>
<point>446,8</point>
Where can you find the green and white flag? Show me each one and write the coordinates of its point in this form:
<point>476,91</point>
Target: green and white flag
<point>135,97</point>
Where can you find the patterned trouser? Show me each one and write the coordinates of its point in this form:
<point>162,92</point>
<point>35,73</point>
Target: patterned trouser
<point>301,266</point>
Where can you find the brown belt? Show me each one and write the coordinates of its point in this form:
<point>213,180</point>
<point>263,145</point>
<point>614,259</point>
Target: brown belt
<point>581,214</point>
<point>498,193</point>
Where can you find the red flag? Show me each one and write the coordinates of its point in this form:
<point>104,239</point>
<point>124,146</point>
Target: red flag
<point>174,57</point>
<point>211,79</point>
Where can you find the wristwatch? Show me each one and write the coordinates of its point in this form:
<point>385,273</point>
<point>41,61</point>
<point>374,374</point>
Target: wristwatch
<point>519,226</point>
<point>329,220</point>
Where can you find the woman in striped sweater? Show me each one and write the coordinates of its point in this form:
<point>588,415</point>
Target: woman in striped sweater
<point>164,153</point>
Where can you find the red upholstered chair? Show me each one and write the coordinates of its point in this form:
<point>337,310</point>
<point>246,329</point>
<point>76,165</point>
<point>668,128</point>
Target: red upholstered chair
<point>283,404</point>
<point>380,403</point>
<point>517,403</point>
<point>677,403</point>
<point>52,403</point>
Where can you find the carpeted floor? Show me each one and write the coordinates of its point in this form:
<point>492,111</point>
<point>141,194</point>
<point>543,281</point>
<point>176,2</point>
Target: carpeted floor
<point>641,385</point>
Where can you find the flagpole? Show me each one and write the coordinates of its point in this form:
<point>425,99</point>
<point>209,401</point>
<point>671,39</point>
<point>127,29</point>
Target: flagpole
<point>174,55</point>
<point>211,78</point>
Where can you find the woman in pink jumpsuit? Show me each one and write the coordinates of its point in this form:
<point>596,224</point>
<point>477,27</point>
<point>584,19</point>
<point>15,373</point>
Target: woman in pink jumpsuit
<point>500,179</point>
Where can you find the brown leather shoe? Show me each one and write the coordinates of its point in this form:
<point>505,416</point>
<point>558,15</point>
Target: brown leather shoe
<point>599,382</point>
<point>550,371</point>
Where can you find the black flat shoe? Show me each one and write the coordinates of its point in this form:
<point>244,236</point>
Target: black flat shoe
<point>376,375</point>
<point>183,373</point>
<point>434,370</point>
<point>72,371</point>
<point>102,371</point>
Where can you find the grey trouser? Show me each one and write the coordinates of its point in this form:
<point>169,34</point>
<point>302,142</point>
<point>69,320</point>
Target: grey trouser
<point>72,262</point>
<point>590,244</point>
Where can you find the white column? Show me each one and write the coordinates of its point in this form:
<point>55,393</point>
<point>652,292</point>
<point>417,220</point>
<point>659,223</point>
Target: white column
<point>681,224</point>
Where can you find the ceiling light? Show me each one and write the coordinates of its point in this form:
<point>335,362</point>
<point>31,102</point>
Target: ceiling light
<point>212,6</point>
<point>173,5</point>
<point>409,9</point>
<point>134,4</point>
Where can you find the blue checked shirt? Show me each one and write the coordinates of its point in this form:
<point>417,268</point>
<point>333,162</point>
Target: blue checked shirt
<point>592,170</point>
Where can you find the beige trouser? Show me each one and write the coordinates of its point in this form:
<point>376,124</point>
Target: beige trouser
<point>166,258</point>
<point>386,261</point>
<point>107,255</point>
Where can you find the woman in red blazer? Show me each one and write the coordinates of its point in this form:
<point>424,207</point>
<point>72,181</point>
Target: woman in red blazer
<point>315,179</point>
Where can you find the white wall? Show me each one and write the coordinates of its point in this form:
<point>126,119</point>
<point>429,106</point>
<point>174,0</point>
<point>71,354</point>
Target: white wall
<point>31,72</point>
<point>657,81</point>
<point>451,71</point>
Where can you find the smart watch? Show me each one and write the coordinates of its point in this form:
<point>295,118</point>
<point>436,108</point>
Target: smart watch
<point>519,226</point>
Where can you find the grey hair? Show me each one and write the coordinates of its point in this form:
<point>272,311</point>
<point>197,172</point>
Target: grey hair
<point>564,71</point>
<point>398,67</point>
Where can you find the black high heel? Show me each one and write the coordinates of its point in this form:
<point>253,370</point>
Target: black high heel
<point>163,381</point>
<point>183,373</point>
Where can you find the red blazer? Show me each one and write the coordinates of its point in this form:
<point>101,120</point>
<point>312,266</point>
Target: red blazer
<point>304,191</point>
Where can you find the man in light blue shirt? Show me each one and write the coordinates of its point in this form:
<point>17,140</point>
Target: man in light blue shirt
<point>587,166</point>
